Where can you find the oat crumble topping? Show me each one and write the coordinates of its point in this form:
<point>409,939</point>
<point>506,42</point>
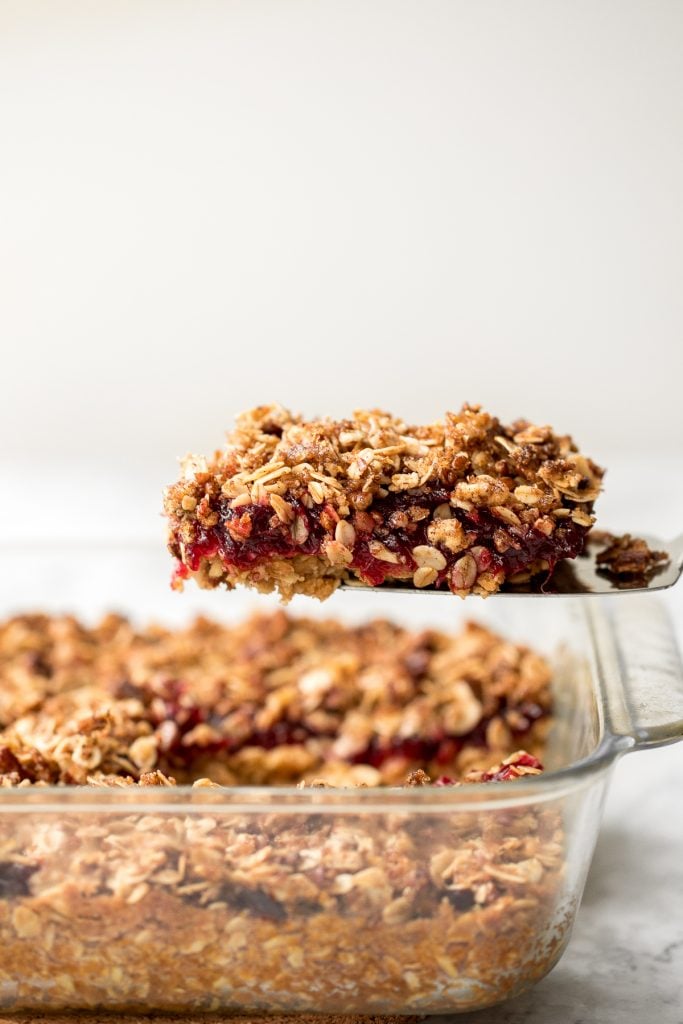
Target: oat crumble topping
<point>272,700</point>
<point>298,506</point>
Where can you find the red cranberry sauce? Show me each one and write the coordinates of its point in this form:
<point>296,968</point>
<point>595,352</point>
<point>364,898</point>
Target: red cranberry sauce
<point>252,534</point>
<point>175,715</point>
<point>444,748</point>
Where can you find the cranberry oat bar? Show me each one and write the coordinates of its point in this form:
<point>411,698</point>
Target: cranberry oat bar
<point>139,904</point>
<point>298,506</point>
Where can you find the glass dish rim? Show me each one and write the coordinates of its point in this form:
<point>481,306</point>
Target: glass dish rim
<point>188,799</point>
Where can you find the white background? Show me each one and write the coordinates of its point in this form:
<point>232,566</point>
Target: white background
<point>209,205</point>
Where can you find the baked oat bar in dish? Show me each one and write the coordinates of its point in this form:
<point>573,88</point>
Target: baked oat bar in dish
<point>130,901</point>
<point>273,700</point>
<point>297,506</point>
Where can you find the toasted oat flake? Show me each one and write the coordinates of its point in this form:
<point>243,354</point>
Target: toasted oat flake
<point>424,576</point>
<point>282,509</point>
<point>345,534</point>
<point>426,555</point>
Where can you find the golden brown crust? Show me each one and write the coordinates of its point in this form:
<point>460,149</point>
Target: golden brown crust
<point>297,506</point>
<point>273,700</point>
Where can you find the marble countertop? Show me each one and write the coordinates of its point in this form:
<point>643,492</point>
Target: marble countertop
<point>624,963</point>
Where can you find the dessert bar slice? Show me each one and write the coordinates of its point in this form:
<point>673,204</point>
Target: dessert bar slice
<point>298,506</point>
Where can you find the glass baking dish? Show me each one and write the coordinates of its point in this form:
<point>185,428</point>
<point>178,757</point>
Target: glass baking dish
<point>421,900</point>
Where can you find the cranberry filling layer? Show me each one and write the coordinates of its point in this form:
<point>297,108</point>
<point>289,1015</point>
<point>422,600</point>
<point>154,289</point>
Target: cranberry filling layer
<point>384,539</point>
<point>177,716</point>
<point>443,749</point>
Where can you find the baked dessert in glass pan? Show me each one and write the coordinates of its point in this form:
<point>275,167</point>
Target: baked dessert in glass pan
<point>372,818</point>
<point>464,505</point>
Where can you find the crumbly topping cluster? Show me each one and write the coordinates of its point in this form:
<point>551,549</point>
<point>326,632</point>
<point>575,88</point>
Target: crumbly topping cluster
<point>628,561</point>
<point>273,700</point>
<point>349,462</point>
<point>516,766</point>
<point>521,476</point>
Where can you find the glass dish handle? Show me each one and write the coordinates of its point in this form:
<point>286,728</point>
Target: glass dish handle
<point>647,706</point>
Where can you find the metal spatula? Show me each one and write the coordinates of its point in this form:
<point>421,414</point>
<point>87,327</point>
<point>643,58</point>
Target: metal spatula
<point>581,575</point>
